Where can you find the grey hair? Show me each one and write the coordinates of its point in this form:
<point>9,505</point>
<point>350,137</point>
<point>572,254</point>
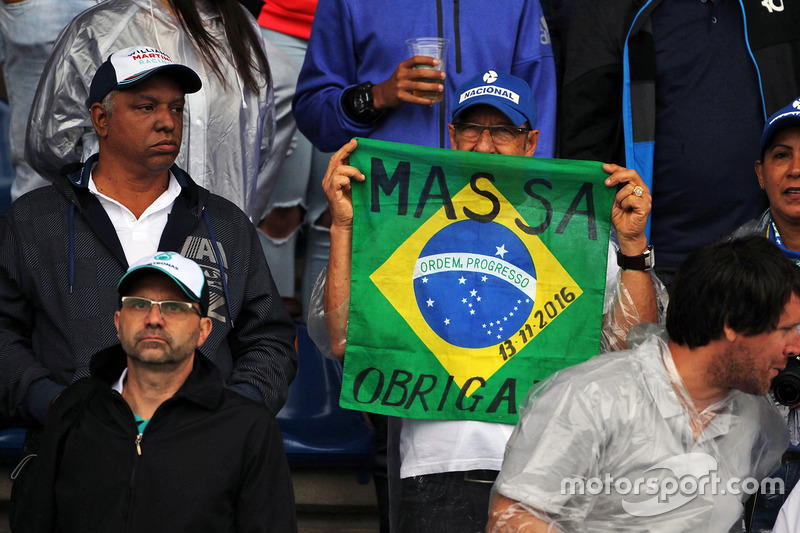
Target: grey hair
<point>108,101</point>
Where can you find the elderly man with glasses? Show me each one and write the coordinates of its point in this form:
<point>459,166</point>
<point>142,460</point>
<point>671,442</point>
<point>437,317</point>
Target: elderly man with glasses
<point>153,441</point>
<point>447,467</point>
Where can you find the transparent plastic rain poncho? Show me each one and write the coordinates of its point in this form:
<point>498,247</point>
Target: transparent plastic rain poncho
<point>615,444</point>
<point>228,131</point>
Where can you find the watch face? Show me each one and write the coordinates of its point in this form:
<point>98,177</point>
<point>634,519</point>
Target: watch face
<point>361,102</point>
<point>645,261</point>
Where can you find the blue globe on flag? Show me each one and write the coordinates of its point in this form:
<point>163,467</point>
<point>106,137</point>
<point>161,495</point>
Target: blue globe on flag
<point>475,283</point>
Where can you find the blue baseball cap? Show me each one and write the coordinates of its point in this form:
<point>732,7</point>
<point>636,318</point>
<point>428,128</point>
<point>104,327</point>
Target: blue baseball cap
<point>508,94</point>
<point>786,117</point>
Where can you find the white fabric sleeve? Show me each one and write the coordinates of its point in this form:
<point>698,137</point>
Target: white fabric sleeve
<point>789,516</point>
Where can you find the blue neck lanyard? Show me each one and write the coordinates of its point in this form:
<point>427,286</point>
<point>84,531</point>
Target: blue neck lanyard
<point>774,236</point>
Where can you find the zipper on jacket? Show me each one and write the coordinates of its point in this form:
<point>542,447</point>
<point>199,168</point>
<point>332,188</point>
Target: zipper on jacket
<point>457,44</point>
<point>126,514</point>
<point>440,33</point>
<point>457,34</point>
<point>439,16</point>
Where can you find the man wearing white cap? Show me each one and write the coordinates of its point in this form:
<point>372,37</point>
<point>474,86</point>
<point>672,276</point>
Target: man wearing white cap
<point>152,441</point>
<point>65,246</point>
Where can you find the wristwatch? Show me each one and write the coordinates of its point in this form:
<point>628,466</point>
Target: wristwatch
<point>358,104</point>
<point>644,261</point>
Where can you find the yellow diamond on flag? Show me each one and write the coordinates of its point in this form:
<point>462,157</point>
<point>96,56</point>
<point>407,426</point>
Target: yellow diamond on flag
<point>476,293</point>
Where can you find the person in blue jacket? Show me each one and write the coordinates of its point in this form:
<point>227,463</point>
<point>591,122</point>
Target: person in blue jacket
<point>356,80</point>
<point>357,77</point>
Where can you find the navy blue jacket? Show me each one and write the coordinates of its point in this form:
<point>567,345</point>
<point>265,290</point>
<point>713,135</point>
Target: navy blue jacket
<point>208,460</point>
<point>60,261</point>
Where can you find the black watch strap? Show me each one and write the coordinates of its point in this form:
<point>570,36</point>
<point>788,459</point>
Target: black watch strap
<point>358,104</point>
<point>645,261</point>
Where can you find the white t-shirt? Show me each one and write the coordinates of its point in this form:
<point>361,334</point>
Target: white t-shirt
<point>435,446</point>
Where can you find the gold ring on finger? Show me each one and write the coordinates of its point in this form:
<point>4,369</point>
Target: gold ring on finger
<point>638,191</point>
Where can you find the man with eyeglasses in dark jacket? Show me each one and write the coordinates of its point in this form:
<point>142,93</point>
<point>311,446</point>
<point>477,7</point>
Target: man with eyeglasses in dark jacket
<point>153,441</point>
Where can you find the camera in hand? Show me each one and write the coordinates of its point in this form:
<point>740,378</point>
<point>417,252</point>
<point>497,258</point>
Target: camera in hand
<point>786,385</point>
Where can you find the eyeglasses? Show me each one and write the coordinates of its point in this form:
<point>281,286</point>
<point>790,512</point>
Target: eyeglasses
<point>499,134</point>
<point>168,308</point>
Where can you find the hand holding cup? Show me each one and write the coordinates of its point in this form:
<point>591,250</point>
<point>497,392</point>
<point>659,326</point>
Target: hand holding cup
<point>431,47</point>
<point>418,80</point>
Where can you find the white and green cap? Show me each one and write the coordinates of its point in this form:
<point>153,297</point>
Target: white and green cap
<point>184,272</point>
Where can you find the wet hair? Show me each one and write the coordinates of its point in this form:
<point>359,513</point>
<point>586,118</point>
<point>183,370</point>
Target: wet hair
<point>244,44</point>
<point>742,283</point>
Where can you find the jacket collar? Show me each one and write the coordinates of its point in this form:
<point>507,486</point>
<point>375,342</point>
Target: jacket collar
<point>203,386</point>
<point>80,178</point>
<point>187,211</point>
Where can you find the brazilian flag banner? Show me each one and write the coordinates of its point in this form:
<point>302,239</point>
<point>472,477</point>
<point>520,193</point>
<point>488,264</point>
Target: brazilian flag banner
<point>473,276</point>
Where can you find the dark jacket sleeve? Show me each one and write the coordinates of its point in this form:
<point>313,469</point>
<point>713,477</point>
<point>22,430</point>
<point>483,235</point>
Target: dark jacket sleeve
<point>590,118</point>
<point>328,70</point>
<point>34,508</point>
<point>18,364</point>
<point>266,497</point>
<point>262,340</point>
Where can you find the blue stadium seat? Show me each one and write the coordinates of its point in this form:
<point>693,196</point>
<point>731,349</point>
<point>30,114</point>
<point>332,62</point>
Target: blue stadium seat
<point>316,431</point>
<point>6,170</point>
<point>11,440</point>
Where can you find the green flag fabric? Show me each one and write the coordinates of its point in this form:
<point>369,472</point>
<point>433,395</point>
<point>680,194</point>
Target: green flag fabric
<point>473,277</point>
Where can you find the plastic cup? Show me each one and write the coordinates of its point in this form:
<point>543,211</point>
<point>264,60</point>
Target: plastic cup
<point>430,47</point>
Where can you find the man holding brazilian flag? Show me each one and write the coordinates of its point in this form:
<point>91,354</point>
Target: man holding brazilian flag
<point>458,278</point>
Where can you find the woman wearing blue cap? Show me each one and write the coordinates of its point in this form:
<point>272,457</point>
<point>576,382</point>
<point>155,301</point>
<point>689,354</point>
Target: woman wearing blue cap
<point>778,173</point>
